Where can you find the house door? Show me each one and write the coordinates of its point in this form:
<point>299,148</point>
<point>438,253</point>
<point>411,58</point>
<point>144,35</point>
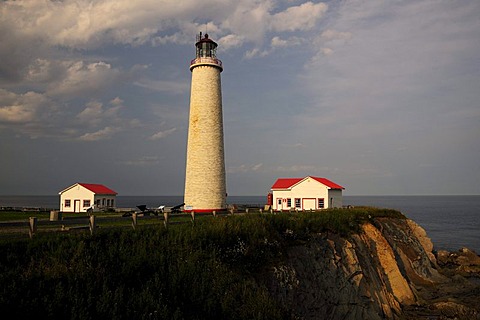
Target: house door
<point>279,204</point>
<point>309,204</point>
<point>76,205</point>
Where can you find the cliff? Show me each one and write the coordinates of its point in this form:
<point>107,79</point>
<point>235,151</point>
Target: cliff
<point>387,270</point>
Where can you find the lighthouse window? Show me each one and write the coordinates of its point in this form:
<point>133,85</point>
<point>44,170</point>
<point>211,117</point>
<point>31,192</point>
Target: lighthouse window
<point>205,49</point>
<point>289,202</point>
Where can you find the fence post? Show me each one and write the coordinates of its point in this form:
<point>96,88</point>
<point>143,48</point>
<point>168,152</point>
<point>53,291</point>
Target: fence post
<point>165,219</point>
<point>214,213</point>
<point>246,210</point>
<point>92,224</point>
<point>134,221</point>
<point>260,210</point>
<point>193,217</point>
<point>32,226</point>
<point>55,215</point>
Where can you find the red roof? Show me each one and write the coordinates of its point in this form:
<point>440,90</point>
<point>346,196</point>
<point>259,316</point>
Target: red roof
<point>97,188</point>
<point>286,183</point>
<point>328,183</point>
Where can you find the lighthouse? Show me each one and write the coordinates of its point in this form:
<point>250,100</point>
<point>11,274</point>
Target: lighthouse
<point>205,187</point>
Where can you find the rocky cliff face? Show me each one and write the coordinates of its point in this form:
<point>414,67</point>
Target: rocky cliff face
<point>386,271</point>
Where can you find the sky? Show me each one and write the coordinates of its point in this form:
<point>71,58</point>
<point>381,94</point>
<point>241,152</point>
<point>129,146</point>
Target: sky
<point>381,97</point>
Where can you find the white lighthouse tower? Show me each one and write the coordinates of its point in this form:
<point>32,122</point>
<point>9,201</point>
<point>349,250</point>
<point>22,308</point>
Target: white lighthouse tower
<point>205,187</point>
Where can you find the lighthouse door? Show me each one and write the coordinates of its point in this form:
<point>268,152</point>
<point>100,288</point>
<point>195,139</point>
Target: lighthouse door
<point>279,204</point>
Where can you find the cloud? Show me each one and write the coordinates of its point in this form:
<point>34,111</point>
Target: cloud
<point>162,134</point>
<point>230,41</point>
<point>34,30</point>
<point>302,17</point>
<point>300,168</point>
<point>326,51</point>
<point>330,35</point>
<point>80,77</point>
<point>256,52</point>
<point>145,161</point>
<point>277,42</point>
<point>386,60</point>
<point>84,24</point>
<point>95,113</point>
<point>20,108</point>
<point>245,168</point>
<point>103,134</point>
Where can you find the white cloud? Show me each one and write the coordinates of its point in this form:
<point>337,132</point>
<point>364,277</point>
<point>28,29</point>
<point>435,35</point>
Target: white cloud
<point>103,134</point>
<point>299,169</point>
<point>143,161</point>
<point>84,24</point>
<point>302,17</point>
<point>330,34</point>
<point>256,52</point>
<point>21,108</point>
<point>95,113</point>
<point>257,167</point>
<point>162,134</point>
<point>35,29</point>
<point>277,42</point>
<point>92,113</point>
<point>245,168</point>
<point>230,41</point>
<point>326,51</point>
<point>81,77</point>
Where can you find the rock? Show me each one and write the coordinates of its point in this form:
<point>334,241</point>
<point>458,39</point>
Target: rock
<point>467,257</point>
<point>453,310</point>
<point>465,262</point>
<point>388,264</point>
<point>386,271</point>
<point>421,235</point>
<point>417,264</point>
<point>442,257</point>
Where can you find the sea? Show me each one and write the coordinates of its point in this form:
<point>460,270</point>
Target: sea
<point>452,222</point>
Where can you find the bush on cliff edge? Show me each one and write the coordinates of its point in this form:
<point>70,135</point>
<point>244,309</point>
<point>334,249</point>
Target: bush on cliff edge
<point>205,271</point>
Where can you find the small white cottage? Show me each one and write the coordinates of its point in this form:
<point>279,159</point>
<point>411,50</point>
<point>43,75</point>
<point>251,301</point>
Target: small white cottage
<point>82,196</point>
<point>309,193</point>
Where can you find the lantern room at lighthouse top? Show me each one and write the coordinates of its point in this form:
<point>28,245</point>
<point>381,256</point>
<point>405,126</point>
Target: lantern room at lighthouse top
<point>206,50</point>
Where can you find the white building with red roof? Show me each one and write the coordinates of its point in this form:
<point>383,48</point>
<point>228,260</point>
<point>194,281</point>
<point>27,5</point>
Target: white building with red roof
<point>309,193</point>
<point>82,196</point>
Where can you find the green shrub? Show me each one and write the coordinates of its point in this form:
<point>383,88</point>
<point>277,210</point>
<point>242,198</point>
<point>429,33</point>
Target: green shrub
<point>206,271</point>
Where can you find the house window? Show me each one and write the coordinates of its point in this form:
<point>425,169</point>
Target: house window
<point>298,203</point>
<point>321,203</point>
<point>68,203</point>
<point>289,202</point>
<point>86,203</point>
<point>112,202</point>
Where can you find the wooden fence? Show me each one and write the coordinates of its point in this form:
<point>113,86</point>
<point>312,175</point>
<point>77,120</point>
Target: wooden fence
<point>57,223</point>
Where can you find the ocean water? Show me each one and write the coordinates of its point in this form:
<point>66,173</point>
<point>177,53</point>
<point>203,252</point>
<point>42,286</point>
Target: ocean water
<point>452,222</point>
